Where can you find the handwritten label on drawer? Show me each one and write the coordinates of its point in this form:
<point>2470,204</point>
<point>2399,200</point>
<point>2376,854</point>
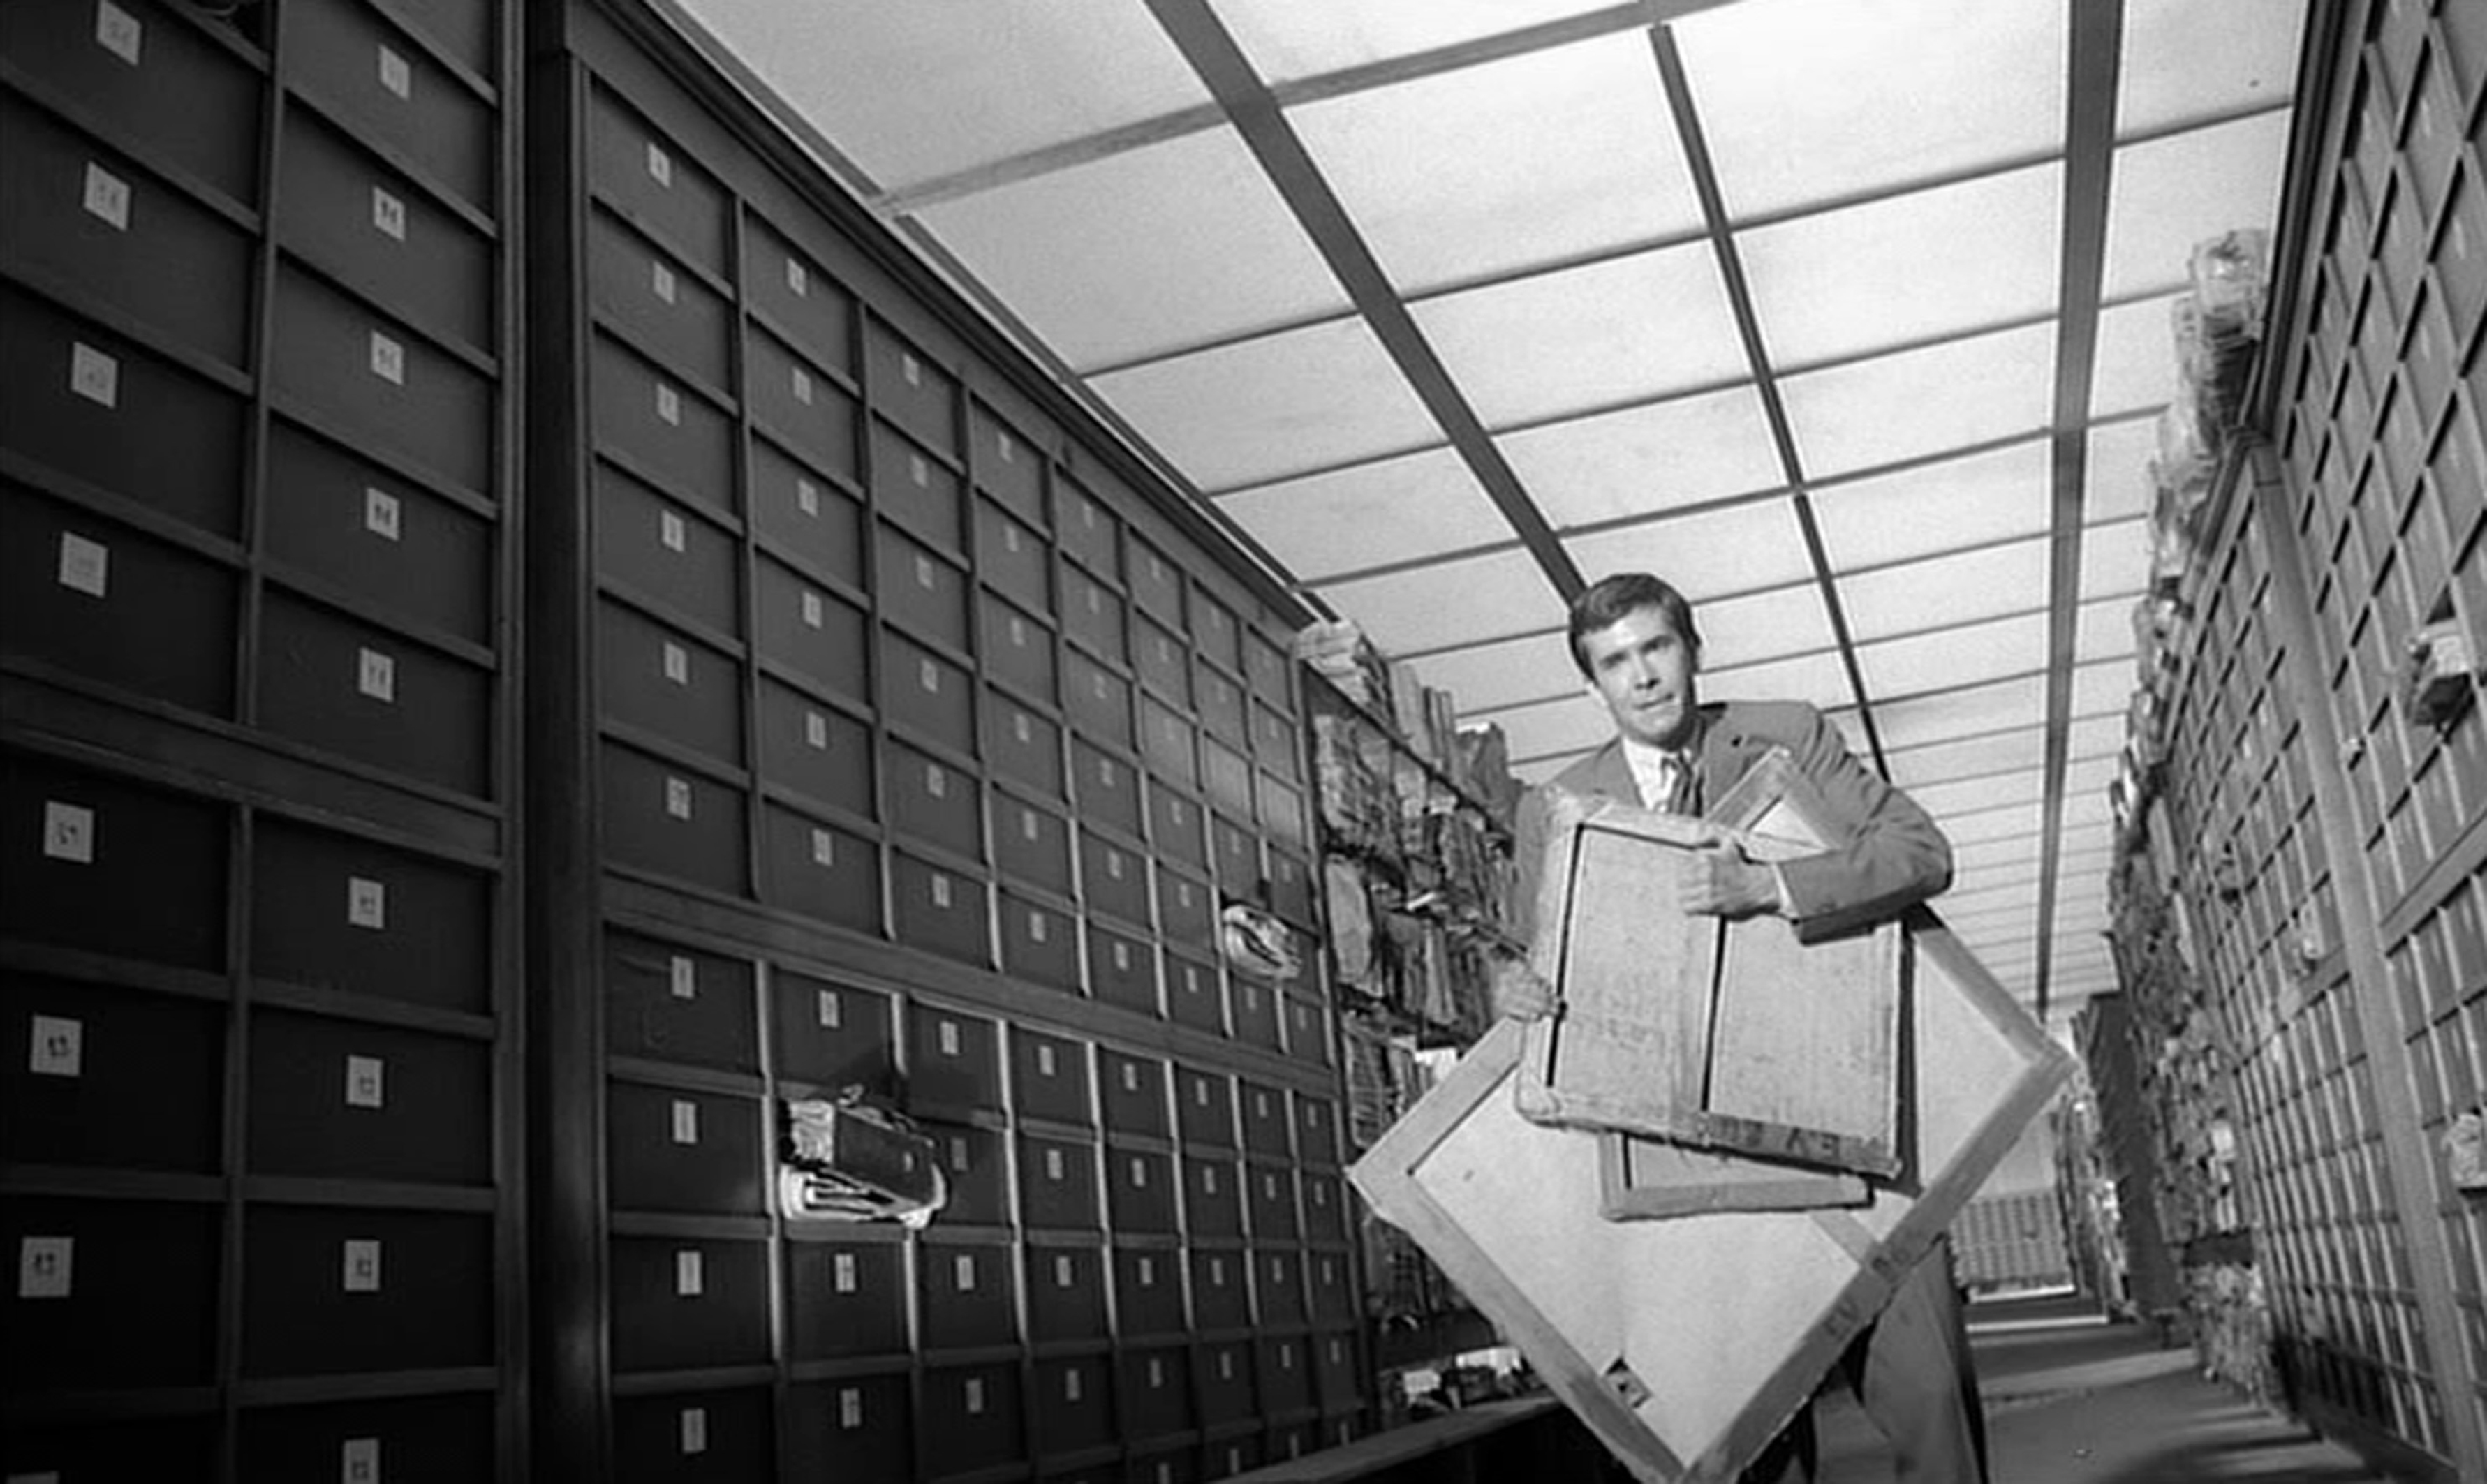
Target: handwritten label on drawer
<point>802,386</point>
<point>382,515</point>
<point>842,1273</point>
<point>388,214</point>
<point>362,1264</point>
<point>388,359</point>
<point>682,974</point>
<point>366,1082</point>
<point>807,497</point>
<point>946,1037</point>
<point>375,676</point>
<point>824,848</point>
<point>686,1121</point>
<point>816,731</point>
<point>118,32</point>
<point>691,1273</point>
<point>95,376</point>
<point>678,663</point>
<point>669,406</point>
<point>814,612</point>
<point>395,75</point>
<point>963,1272</point>
<point>972,1393</point>
<point>1037,926</point>
<point>106,197</point>
<point>798,280</point>
<point>660,165</point>
<point>678,798</point>
<point>367,903</point>
<point>44,1265</point>
<point>1071,1384</point>
<point>830,1010</point>
<point>85,565</point>
<point>694,1430</point>
<point>358,1460</point>
<point>850,1407</point>
<point>55,1046</point>
<point>660,282</point>
<point>671,532</point>
<point>68,833</point>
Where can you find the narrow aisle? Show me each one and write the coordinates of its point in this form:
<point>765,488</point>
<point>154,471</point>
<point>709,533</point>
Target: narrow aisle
<point>2073,1400</point>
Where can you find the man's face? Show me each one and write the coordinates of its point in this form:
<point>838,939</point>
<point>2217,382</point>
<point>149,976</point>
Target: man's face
<point>1642,669</point>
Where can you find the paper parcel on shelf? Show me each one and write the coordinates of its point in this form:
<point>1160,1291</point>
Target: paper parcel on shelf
<point>1685,1343</point>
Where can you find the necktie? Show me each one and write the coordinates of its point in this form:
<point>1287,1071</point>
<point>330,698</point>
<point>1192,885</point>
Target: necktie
<point>1681,786</point>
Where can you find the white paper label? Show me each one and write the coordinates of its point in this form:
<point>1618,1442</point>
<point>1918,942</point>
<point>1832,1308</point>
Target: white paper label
<point>974,1394</point>
<point>1024,726</point>
<point>1011,539</point>
<point>941,891</point>
<point>85,565</point>
<point>816,731</point>
<point>1045,1062</point>
<point>814,614</point>
<point>686,1121</point>
<point>946,1035</point>
<point>1139,1174</point>
<point>1122,958</point>
<point>1071,1384</point>
<point>1157,1373</point>
<point>669,406</point>
<point>367,903</point>
<point>1148,1273</point>
<point>930,677</point>
<point>910,369</point>
<point>1209,1179</point>
<point>366,1082</point>
<point>963,1272</point>
<point>1036,927</point>
<point>1053,1164</point>
<point>362,1263</point>
<point>660,282</point>
<point>44,1264</point>
<point>1130,1077</point>
<point>678,798</point>
<point>358,1460</point>
<point>55,1046</point>
<point>850,1407</point>
<point>1114,864</point>
<point>671,533</point>
<point>691,1273</point>
<point>68,833</point>
<point>1005,445</point>
<point>926,577</point>
<point>678,664</point>
<point>382,515</point>
<point>936,780</point>
<point>1200,1091</point>
<point>1065,1271</point>
<point>118,32</point>
<point>807,496</point>
<point>395,75</point>
<point>797,279</point>
<point>95,376</point>
<point>660,165</point>
<point>918,471</point>
<point>107,197</point>
<point>842,1273</point>
<point>682,977</point>
<point>695,1429</point>
<point>802,386</point>
<point>824,848</point>
<point>1226,1365</point>
<point>388,359</point>
<point>1286,1357</point>
<point>375,676</point>
<point>388,214</point>
<point>1217,1273</point>
<point>830,1010</point>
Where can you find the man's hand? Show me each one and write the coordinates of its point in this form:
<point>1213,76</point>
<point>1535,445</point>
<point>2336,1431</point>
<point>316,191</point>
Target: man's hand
<point>1718,881</point>
<point>1520,993</point>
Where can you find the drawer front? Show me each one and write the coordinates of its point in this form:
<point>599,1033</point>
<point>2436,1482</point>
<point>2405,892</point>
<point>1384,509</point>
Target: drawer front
<point>329,1291</point>
<point>335,912</point>
<point>339,683</point>
<point>383,383</point>
<point>390,541</point>
<point>104,602</point>
<point>388,238</point>
<point>388,89</point>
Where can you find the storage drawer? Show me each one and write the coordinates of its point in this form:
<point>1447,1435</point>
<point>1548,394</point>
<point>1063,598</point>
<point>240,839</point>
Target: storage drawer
<point>1236,856</point>
<point>88,216</point>
<point>1276,743</point>
<point>1097,701</point>
<point>1223,709</point>
<point>1325,1207</point>
<point>332,1291</point>
<point>916,489</point>
<point>1122,969</point>
<point>1290,886</point>
<point>834,1035</point>
<point>938,910</point>
<point>1171,1465</point>
<point>1057,1183</point>
<point>388,89</point>
<point>78,847</point>
<point>381,383</point>
<point>1224,1371</point>
<point>673,822</point>
<point>809,517</point>
<point>1316,1130</point>
<point>858,1427</point>
<point>1205,1107</point>
<point>655,183</point>
<point>669,433</point>
<point>921,690</point>
<point>93,406</point>
<point>1169,744</point>
<point>1228,779</point>
<point>1140,1190</point>
<point>104,602</point>
<point>1066,1293</point>
<point>955,1059</point>
<point>815,749</point>
<point>406,1438</point>
<point>390,240</point>
<point>1187,913</point>
<point>667,309</point>
<point>168,92</point>
<point>1039,944</point>
<point>814,634</point>
<point>91,1273</point>
<point>1148,1288</point>
<point>393,543</point>
<point>1156,583</point>
<point>921,591</point>
<point>1156,1391</point>
<point>934,802</point>
<point>1336,1377</point>
<point>818,869</point>
<point>675,1149</point>
<point>661,681</point>
<point>1193,995</point>
<point>110,1077</point>
<point>1264,1110</point>
<point>973,1418</point>
<point>1114,879</point>
<point>1089,532</point>
<point>1092,617</point>
<point>343,1100</point>
<point>799,404</point>
<point>469,30</point>
<point>1031,845</point>
<point>1286,1374</point>
<point>1280,809</point>
<point>909,388</point>
<point>1049,1077</point>
<point>844,1297</point>
<point>1023,746</point>
<point>975,1161</point>
<point>1162,661</point>
<point>673,1004</point>
<point>1212,1202</point>
<point>334,912</point>
<point>684,1304</point>
<point>1252,1007</point>
<point>808,308</point>
<point>1107,789</point>
<point>337,683</point>
<point>1330,1297</point>
<point>1133,1093</point>
<point>1075,1404</point>
<point>1015,648</point>
<point>970,1296</point>
<point>1222,1290</point>
<point>1008,465</point>
<point>1178,827</point>
<point>710,1436</point>
<point>1215,634</point>
<point>1014,558</point>
<point>1271,1196</point>
<point>1307,1031</point>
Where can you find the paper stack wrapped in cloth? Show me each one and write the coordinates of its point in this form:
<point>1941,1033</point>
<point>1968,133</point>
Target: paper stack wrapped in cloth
<point>1684,1192</point>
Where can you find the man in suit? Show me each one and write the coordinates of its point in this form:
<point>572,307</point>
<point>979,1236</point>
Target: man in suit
<point>1633,639</point>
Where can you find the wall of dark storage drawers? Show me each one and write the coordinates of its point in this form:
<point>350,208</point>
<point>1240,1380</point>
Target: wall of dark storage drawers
<point>397,1087</point>
<point>2320,839</point>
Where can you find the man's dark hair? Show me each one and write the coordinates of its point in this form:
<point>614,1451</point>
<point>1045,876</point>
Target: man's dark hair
<point>1610,598</point>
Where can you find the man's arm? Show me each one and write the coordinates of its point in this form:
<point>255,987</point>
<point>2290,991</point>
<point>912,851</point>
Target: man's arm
<point>1895,857</point>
